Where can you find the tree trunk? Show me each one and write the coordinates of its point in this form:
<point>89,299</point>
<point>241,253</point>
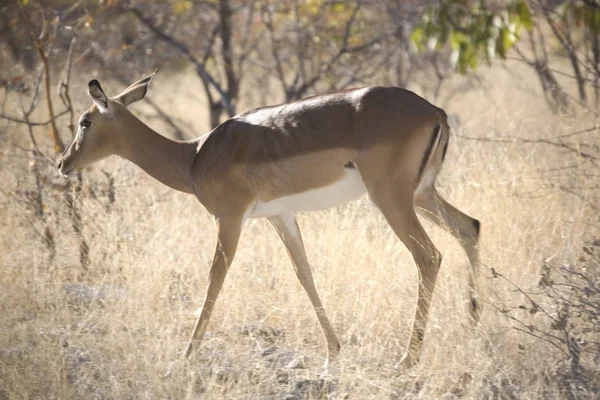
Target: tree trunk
<point>596,56</point>
<point>226,48</point>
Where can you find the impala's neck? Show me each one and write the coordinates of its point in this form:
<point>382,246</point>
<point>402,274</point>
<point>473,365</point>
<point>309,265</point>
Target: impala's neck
<point>166,160</point>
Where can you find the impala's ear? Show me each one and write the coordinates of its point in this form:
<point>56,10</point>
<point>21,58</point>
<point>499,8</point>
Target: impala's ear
<point>136,91</point>
<point>98,97</point>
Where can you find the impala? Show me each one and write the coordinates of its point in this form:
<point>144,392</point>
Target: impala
<point>312,154</point>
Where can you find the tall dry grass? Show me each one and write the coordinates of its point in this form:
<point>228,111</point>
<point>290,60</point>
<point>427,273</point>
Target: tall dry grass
<point>117,329</point>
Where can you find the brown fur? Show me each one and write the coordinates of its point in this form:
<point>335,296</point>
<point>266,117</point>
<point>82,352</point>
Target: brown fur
<point>271,152</point>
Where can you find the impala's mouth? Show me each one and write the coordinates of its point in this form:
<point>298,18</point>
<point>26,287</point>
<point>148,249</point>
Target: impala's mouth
<point>68,171</point>
<point>71,173</point>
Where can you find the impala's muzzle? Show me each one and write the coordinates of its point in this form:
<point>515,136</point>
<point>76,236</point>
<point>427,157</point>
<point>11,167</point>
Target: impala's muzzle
<point>65,169</point>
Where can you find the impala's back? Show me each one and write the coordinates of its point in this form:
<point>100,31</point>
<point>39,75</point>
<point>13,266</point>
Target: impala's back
<point>314,142</point>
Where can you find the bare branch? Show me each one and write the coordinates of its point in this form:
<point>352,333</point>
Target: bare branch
<point>227,53</point>
<point>512,139</point>
<point>165,116</point>
<point>38,200</point>
<point>348,27</point>
<point>34,123</point>
<point>267,17</point>
<point>496,274</point>
<point>200,69</point>
<point>63,87</point>
<point>567,43</point>
<point>59,144</point>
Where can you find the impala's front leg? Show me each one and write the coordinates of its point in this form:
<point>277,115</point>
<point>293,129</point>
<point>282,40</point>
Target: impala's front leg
<point>228,234</point>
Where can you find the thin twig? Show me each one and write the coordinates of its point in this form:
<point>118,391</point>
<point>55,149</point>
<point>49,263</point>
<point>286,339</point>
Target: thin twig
<point>594,128</point>
<point>496,274</point>
<point>63,87</point>
<point>511,139</point>
<point>59,145</point>
<point>34,123</point>
<point>200,68</point>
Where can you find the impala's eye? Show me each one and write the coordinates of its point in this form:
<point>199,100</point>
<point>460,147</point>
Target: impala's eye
<point>85,123</point>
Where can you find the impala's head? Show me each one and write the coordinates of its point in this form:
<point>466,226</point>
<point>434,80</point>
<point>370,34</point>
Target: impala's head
<point>101,128</point>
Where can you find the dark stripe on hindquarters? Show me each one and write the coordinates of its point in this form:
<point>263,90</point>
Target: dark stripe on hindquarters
<point>428,151</point>
<point>350,164</point>
<point>477,225</point>
<point>420,334</point>
<point>445,149</point>
<point>473,305</point>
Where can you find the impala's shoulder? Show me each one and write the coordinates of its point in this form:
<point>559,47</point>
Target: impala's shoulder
<point>227,131</point>
<point>257,116</point>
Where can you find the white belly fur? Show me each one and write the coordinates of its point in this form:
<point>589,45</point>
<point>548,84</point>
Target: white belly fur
<point>347,189</point>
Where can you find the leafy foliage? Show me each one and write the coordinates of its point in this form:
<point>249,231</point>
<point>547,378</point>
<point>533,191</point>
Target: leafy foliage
<point>567,309</point>
<point>472,31</point>
<point>582,14</point>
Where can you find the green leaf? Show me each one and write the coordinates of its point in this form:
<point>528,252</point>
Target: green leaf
<point>475,32</point>
<point>472,60</point>
<point>181,6</point>
<point>563,9</point>
<point>444,33</point>
<point>430,29</point>
<point>507,41</point>
<point>339,8</point>
<point>468,57</point>
<point>455,40</point>
<point>596,22</point>
<point>524,13</point>
<point>502,42</point>
<point>417,37</point>
<point>490,49</point>
<point>518,24</point>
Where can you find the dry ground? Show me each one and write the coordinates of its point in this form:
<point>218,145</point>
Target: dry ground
<point>117,328</point>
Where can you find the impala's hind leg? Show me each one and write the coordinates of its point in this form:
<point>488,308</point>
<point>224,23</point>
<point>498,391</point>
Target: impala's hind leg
<point>288,230</point>
<point>398,209</point>
<point>463,228</point>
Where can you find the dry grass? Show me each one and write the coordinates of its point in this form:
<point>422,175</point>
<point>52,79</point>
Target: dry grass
<point>150,252</point>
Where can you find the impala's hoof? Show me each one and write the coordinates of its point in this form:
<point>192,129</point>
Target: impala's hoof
<point>333,352</point>
<point>188,350</point>
<point>326,365</point>
<point>330,370</point>
<point>475,309</point>
<point>407,362</point>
